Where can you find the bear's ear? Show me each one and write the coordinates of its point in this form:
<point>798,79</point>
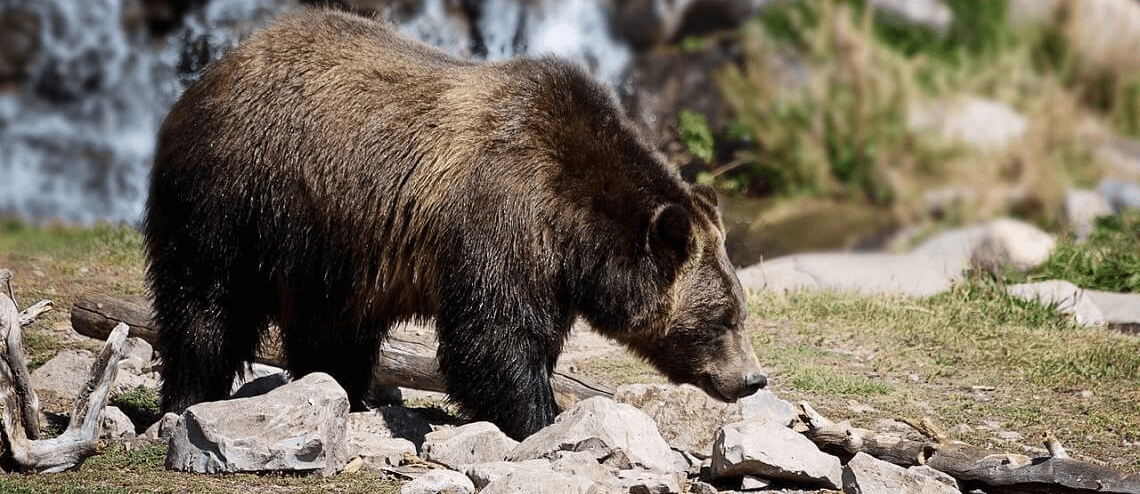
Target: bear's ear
<point>670,231</point>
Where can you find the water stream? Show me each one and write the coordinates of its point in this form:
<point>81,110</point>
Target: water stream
<point>76,138</point>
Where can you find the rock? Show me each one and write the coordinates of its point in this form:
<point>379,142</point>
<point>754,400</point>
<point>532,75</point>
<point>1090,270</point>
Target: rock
<point>584,464</point>
<point>439,482</point>
<point>1117,311</point>
<point>689,418</point>
<point>645,482</point>
<point>537,480</point>
<point>126,382</point>
<point>769,450</point>
<point>865,273</point>
<point>1081,209</point>
<point>115,424</point>
<point>939,476</point>
<point>686,417</point>
<point>257,379</point>
<point>137,357</point>
<point>615,425</point>
<point>754,483</point>
<point>478,442</point>
<point>390,422</point>
<point>377,453</point>
<point>1120,194</point>
<point>163,429</point>
<point>60,379</point>
<point>1012,243</point>
<point>865,474</point>
<point>485,473</point>
<point>766,406</point>
<point>927,13</point>
<point>297,427</point>
<point>984,124</point>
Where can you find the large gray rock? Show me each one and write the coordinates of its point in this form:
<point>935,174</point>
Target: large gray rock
<point>865,474</point>
<point>59,380</point>
<point>257,379</point>
<point>115,424</point>
<point>137,356</point>
<point>1117,311</point>
<point>478,442</point>
<point>689,418</point>
<point>439,482</point>
<point>538,480</point>
<point>999,243</point>
<point>765,449</point>
<point>984,124</point>
<point>928,13</point>
<point>297,427</point>
<point>866,273</point>
<point>389,422</point>
<point>1082,208</point>
<point>161,431</point>
<point>614,425</point>
<point>1121,194</point>
<point>485,473</point>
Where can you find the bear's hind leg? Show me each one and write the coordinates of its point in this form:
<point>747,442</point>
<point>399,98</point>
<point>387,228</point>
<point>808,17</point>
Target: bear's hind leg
<point>348,353</point>
<point>205,340</point>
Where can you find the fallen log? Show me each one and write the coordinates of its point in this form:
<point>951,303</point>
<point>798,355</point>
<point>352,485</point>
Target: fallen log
<point>992,471</point>
<point>403,362</point>
<point>23,447</point>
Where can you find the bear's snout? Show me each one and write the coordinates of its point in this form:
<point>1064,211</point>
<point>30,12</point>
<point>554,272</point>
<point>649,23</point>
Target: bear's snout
<point>753,382</point>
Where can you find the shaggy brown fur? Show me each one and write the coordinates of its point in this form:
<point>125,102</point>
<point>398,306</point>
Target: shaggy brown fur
<point>334,178</point>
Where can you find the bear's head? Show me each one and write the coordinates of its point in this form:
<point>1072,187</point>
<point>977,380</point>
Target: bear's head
<point>696,333</point>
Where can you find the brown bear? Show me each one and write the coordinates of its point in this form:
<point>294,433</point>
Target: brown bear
<point>333,178</point>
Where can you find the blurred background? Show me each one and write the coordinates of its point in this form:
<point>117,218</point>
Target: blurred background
<point>825,124</point>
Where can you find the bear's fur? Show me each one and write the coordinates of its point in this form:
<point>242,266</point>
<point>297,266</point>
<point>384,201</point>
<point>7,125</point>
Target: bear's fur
<point>333,178</point>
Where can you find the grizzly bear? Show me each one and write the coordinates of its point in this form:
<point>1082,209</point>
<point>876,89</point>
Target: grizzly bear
<point>332,178</point>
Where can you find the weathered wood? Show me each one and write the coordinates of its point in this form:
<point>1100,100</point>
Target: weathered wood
<point>29,315</point>
<point>994,471</point>
<point>95,315</point>
<point>402,362</point>
<point>20,418</point>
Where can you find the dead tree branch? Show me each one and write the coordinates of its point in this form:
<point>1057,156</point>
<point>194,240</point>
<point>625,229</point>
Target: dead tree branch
<point>994,471</point>
<point>20,421</point>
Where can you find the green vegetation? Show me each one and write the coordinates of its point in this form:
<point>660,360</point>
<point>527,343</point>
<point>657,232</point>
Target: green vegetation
<point>836,125</point>
<point>118,244</point>
<point>1109,260</point>
<point>910,358</point>
<point>696,134</point>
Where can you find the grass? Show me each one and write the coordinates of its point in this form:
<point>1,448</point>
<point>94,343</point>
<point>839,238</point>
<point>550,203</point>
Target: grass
<point>907,358</point>
<point>840,128</point>
<point>1109,260</point>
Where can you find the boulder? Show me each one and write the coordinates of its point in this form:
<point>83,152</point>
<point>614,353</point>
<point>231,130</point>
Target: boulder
<point>485,473</point>
<point>60,379</point>
<point>1081,209</point>
<point>478,442</point>
<point>1121,194</point>
<point>689,418</point>
<point>930,14</point>
<point>257,379</point>
<point>984,124</point>
<point>161,431</point>
<point>137,357</point>
<point>865,474</point>
<point>115,424</point>
<point>538,480</point>
<point>773,451</point>
<point>440,482</point>
<point>389,422</point>
<point>612,424</point>
<point>297,427</point>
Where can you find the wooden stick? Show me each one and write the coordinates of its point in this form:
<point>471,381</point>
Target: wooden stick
<point>20,418</point>
<point>405,363</point>
<point>994,471</point>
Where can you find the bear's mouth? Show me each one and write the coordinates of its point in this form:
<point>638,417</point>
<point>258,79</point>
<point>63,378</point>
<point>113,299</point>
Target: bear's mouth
<point>708,385</point>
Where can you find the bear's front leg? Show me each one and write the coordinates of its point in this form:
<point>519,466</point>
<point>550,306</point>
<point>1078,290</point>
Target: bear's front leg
<point>497,366</point>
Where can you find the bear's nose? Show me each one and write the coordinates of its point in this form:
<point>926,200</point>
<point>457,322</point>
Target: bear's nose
<point>753,382</point>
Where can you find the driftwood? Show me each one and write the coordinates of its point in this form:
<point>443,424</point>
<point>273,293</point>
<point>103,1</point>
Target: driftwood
<point>992,471</point>
<point>405,363</point>
<point>23,446</point>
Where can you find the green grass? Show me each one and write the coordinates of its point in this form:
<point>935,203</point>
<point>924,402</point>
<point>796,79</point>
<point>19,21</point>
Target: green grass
<point>117,244</point>
<point>1109,260</point>
<point>117,470</point>
<point>895,354</point>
